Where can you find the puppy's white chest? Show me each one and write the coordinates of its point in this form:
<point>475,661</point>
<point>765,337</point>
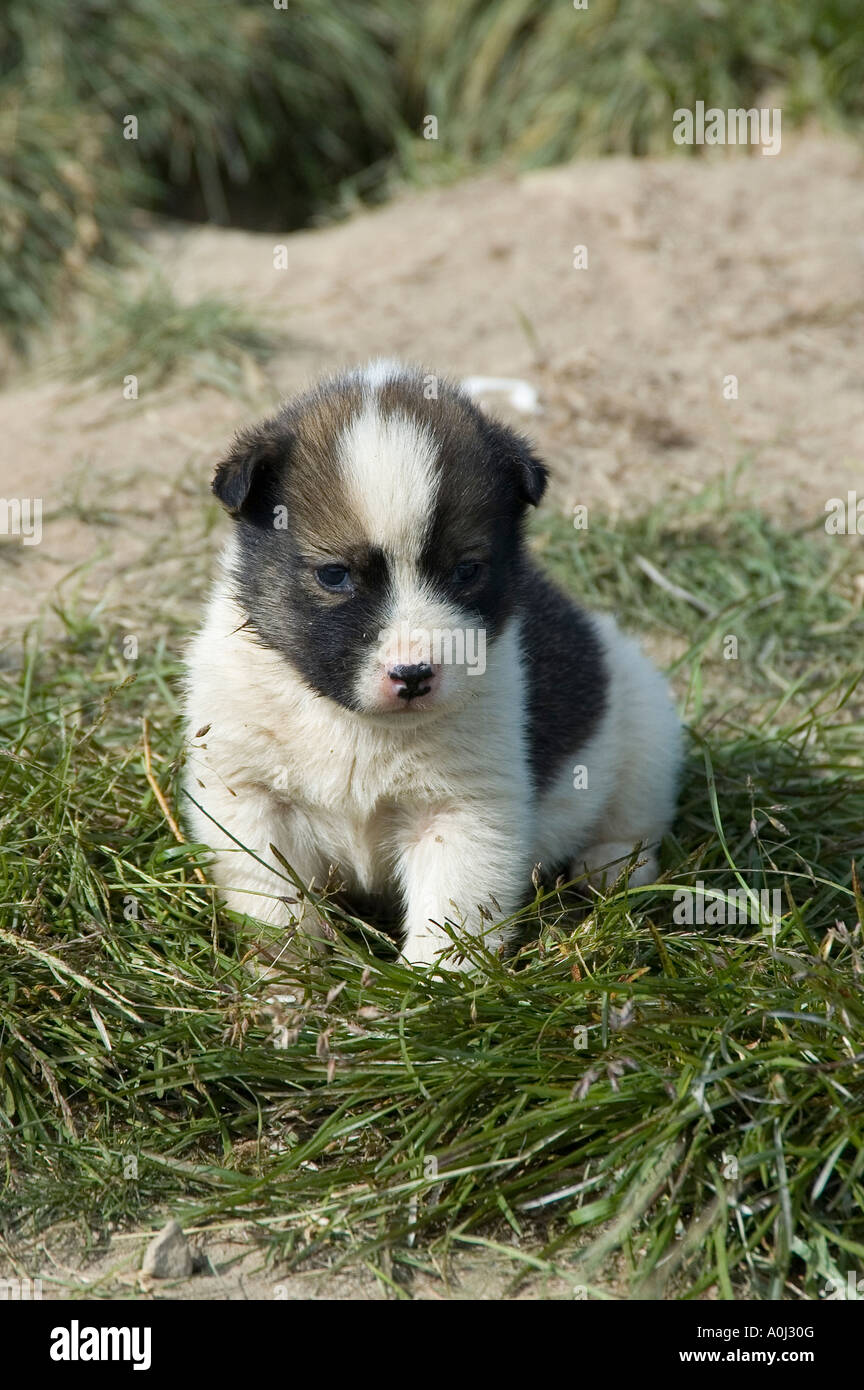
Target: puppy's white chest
<point>351,803</point>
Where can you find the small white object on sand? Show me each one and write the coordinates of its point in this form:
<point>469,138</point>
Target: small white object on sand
<point>521,394</point>
<point>168,1255</point>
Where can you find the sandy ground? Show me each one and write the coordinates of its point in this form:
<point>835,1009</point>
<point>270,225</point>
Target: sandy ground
<point>741,266</point>
<point>230,1265</point>
<point>697,271</point>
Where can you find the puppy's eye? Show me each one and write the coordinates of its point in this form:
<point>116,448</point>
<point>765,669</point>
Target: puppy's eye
<point>336,578</point>
<point>466,571</point>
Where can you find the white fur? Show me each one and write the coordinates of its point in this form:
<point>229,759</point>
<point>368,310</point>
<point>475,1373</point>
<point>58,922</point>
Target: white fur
<point>378,372</point>
<point>388,467</point>
<point>631,768</point>
<point>391,483</point>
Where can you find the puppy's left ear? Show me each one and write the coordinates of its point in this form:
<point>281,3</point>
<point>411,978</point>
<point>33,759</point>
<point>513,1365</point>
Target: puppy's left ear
<point>514,453</point>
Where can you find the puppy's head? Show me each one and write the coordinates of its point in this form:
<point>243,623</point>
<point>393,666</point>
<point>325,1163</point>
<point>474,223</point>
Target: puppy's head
<point>379,536</point>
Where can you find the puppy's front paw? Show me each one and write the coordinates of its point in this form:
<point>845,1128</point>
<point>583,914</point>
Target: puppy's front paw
<point>605,863</point>
<point>427,947</point>
<point>437,948</point>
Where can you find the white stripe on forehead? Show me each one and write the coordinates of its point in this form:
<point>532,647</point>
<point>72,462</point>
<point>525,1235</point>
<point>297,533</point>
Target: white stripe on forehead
<point>379,371</point>
<point>388,466</point>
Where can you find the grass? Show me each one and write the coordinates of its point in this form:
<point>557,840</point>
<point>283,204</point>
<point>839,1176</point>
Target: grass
<point>643,1107</point>
<point>145,331</point>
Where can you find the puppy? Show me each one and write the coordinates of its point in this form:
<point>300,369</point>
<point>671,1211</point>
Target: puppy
<point>391,689</point>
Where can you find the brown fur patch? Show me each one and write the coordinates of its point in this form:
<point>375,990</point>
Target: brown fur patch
<point>323,520</point>
<point>450,417</point>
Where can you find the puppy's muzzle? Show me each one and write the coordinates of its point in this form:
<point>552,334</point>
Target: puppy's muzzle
<point>412,681</point>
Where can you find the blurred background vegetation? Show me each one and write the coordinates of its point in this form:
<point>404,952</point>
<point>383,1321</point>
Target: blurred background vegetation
<point>271,118</point>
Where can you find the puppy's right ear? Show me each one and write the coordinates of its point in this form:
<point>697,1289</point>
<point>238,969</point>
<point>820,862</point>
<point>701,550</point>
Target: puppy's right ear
<point>243,480</point>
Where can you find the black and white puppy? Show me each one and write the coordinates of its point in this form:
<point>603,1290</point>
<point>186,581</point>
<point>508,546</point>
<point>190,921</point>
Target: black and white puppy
<point>390,686</point>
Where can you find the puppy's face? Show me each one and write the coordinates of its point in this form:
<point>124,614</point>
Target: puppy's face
<point>379,538</point>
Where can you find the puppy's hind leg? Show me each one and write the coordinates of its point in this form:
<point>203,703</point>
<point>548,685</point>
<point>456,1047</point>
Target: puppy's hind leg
<point>646,754</point>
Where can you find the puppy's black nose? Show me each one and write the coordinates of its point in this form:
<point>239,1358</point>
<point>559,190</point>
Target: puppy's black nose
<point>414,680</point>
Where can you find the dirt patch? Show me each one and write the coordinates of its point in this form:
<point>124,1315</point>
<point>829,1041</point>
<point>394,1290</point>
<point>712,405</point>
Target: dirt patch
<point>231,1265</point>
<point>697,271</point>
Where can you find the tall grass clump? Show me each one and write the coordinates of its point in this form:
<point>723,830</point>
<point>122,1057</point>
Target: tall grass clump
<point>243,113</point>
<point>542,83</point>
<point>63,201</point>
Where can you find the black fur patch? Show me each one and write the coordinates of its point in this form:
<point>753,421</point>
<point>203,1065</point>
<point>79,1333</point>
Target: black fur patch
<point>479,515</point>
<point>567,680</point>
<point>324,636</point>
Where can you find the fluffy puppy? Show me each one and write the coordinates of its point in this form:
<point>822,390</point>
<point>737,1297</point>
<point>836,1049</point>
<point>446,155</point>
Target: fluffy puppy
<point>390,686</point>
